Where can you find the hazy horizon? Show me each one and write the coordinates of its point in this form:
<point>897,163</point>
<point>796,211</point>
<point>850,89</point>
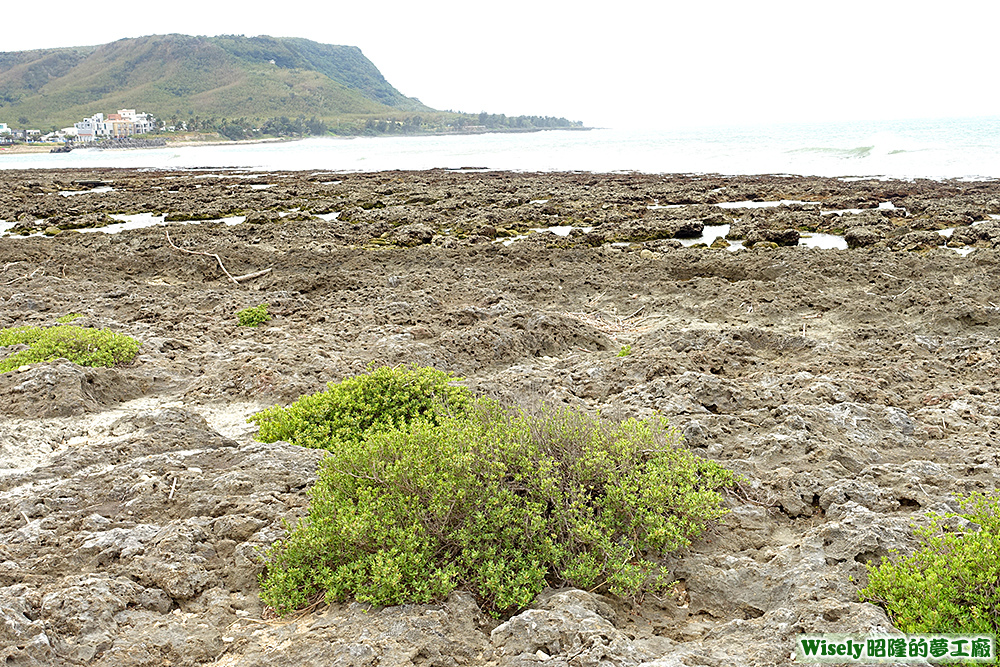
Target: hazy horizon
<point>729,63</point>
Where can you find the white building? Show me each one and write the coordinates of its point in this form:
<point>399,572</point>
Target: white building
<point>142,122</point>
<point>65,134</point>
<point>89,129</point>
<point>4,129</point>
<point>125,123</point>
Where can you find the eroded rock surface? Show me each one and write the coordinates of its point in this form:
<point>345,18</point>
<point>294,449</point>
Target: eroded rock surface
<point>854,390</point>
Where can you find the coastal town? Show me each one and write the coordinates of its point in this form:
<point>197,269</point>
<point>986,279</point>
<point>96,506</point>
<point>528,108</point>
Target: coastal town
<point>121,125</point>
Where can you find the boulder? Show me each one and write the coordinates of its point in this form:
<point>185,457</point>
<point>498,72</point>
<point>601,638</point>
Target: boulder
<point>412,235</point>
<point>863,237</point>
<point>61,388</point>
<point>782,237</point>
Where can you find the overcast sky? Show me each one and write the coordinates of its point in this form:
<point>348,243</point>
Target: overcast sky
<point>617,64</point>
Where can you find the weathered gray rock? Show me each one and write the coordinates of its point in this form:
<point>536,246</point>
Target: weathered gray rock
<point>412,235</point>
<point>567,626</point>
<point>917,241</point>
<point>781,237</point>
<point>61,389</point>
<point>22,639</point>
<point>262,217</point>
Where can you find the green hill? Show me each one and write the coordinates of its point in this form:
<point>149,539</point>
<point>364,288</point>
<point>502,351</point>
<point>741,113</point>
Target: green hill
<point>177,76</point>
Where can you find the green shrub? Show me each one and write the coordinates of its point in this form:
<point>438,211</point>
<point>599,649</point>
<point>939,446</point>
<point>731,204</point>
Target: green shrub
<point>381,399</point>
<point>255,316</point>
<point>86,347</point>
<point>951,584</point>
<point>69,317</point>
<point>498,503</point>
<point>625,351</point>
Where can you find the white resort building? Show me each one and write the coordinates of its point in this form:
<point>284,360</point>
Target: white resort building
<point>125,123</point>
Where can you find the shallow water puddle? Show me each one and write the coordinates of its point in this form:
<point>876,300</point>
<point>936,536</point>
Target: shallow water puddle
<point>562,230</point>
<point>95,191</point>
<point>709,235</point>
<point>766,204</point>
<point>822,241</point>
<point>136,221</point>
<point>239,175</point>
<point>884,206</point>
<point>142,220</point>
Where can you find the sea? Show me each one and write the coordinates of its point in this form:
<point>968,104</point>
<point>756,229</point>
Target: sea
<point>953,148</point>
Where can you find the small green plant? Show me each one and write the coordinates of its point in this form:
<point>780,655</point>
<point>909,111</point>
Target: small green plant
<point>951,584</point>
<point>497,502</point>
<point>254,316</point>
<point>384,398</point>
<point>69,317</point>
<point>625,351</point>
<point>86,347</point>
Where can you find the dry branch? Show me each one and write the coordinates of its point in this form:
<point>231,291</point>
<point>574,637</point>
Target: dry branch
<point>251,276</point>
<point>611,324</point>
<point>27,276</point>
<point>206,254</point>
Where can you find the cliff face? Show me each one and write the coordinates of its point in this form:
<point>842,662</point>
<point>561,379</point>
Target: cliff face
<point>227,76</point>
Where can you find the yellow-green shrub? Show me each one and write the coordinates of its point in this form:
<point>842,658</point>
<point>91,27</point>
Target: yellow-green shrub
<point>951,584</point>
<point>254,316</point>
<point>83,346</point>
<point>500,503</point>
<point>384,398</point>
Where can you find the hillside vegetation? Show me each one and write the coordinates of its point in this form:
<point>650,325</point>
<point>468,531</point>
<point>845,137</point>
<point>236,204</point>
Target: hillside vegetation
<point>180,77</point>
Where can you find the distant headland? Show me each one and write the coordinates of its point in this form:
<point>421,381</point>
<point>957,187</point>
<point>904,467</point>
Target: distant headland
<point>229,87</point>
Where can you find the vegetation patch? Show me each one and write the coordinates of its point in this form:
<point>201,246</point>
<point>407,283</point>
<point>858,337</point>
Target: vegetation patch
<point>254,316</point>
<point>83,346</point>
<point>419,496</point>
<point>951,584</point>
<point>382,399</point>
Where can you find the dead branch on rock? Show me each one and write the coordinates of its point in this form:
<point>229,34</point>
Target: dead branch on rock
<point>206,254</point>
<point>235,279</point>
<point>27,276</point>
<point>613,325</point>
<point>251,276</point>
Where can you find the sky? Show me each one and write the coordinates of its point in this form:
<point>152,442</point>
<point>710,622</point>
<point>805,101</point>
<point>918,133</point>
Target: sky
<point>622,64</point>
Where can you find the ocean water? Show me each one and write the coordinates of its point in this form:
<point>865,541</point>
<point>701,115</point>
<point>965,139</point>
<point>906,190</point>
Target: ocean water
<point>943,148</point>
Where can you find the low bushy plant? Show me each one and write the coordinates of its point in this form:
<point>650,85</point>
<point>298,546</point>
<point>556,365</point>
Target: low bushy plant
<point>83,346</point>
<point>69,317</point>
<point>951,584</point>
<point>496,502</point>
<point>384,398</point>
<point>254,316</point>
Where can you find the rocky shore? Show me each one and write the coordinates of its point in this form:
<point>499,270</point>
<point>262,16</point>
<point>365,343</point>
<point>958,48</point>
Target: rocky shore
<point>855,390</point>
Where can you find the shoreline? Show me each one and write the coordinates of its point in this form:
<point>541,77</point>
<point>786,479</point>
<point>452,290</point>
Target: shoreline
<point>172,142</point>
<point>651,151</point>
